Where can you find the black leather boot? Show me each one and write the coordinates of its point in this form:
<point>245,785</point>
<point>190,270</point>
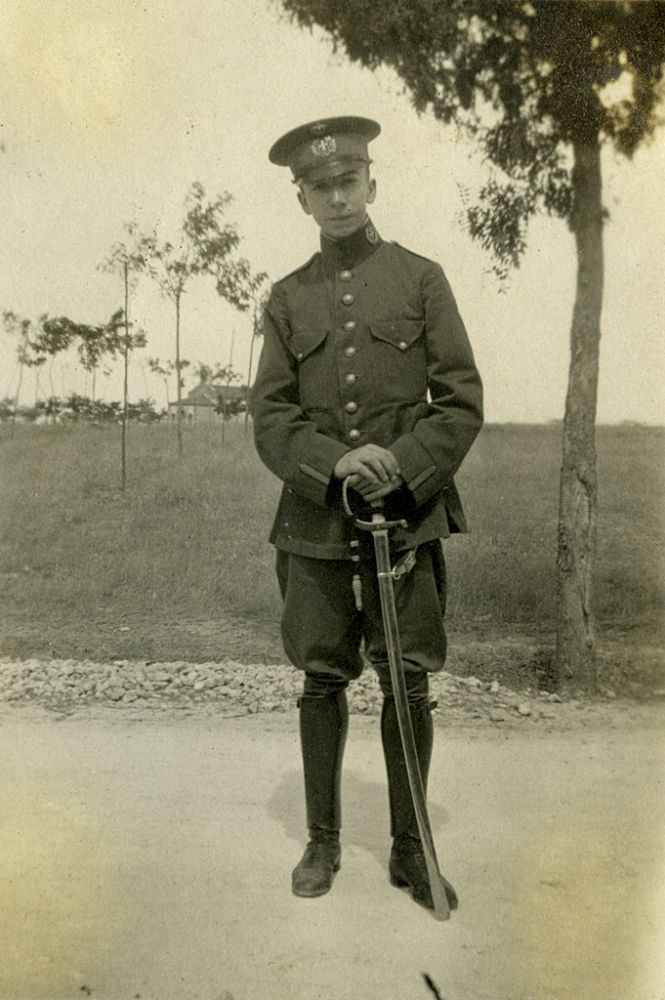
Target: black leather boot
<point>407,867</point>
<point>323,728</point>
<point>314,873</point>
<point>408,870</point>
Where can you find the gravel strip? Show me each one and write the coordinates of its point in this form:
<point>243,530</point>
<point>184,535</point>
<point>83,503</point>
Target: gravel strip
<point>240,689</point>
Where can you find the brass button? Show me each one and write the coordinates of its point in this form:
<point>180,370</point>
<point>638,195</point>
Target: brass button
<point>348,299</point>
<point>300,356</point>
<point>351,407</point>
<point>354,434</point>
<point>349,351</point>
<point>402,345</point>
<point>350,325</point>
<point>350,379</point>
<point>345,276</point>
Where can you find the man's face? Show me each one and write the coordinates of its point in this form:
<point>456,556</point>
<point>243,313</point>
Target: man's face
<point>339,204</point>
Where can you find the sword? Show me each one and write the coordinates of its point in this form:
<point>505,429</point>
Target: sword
<point>379,529</point>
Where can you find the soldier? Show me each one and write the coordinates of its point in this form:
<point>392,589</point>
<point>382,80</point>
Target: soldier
<point>366,375</point>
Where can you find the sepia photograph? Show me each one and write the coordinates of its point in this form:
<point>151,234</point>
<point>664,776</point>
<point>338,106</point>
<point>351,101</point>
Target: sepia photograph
<point>332,500</point>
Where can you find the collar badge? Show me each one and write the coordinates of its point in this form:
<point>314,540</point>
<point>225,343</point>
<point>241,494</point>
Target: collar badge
<point>371,234</point>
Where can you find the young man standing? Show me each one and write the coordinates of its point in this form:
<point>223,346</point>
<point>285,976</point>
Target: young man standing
<point>366,375</point>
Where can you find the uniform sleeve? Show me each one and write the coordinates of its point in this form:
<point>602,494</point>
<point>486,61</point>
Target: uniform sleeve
<point>287,442</point>
<point>430,454</point>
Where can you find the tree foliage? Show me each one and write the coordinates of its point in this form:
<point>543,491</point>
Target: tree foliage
<point>239,285</point>
<point>526,79</point>
<point>20,328</point>
<point>93,341</point>
<point>204,242</point>
<point>128,256</point>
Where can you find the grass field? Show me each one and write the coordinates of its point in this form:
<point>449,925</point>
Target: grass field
<point>185,546</point>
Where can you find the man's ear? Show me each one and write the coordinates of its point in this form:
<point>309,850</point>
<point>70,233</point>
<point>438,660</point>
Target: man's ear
<point>371,194</point>
<point>304,204</point>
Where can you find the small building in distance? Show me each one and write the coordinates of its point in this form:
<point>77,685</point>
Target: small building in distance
<point>201,405</point>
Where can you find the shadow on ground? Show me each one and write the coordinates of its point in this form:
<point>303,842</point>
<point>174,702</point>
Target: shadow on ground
<point>361,799</point>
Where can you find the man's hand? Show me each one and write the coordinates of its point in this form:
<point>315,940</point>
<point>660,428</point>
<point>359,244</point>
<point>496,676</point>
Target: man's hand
<point>370,492</point>
<point>372,471</point>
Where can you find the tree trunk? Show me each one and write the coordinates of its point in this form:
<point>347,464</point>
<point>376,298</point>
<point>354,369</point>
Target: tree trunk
<point>123,447</point>
<point>578,498</point>
<point>178,418</point>
<point>18,392</point>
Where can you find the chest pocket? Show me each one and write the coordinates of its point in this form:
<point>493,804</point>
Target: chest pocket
<point>398,352</point>
<point>314,379</point>
<point>304,342</point>
<point>399,333</point>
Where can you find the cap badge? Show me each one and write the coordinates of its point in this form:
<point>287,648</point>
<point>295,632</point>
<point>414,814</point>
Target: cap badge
<point>318,128</point>
<point>324,146</point>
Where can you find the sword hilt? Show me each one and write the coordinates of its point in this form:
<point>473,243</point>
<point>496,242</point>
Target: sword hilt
<point>378,522</point>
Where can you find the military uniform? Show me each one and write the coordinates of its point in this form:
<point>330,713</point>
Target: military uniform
<point>362,344</point>
<point>354,342</point>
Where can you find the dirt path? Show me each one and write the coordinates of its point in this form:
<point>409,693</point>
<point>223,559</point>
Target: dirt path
<point>146,856</point>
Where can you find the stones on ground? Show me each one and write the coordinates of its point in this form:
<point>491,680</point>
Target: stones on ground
<point>239,688</point>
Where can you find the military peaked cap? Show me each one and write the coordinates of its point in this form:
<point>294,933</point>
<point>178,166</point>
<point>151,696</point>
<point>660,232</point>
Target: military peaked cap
<point>323,148</point>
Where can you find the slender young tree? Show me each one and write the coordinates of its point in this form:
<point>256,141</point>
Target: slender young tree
<point>19,329</point>
<point>52,339</point>
<point>128,259</point>
<point>165,370</point>
<point>222,376</point>
<point>239,285</point>
<point>527,80</point>
<point>93,343</point>
<point>96,343</point>
<point>204,241</point>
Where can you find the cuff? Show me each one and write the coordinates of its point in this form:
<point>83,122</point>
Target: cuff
<point>312,476</point>
<point>420,473</point>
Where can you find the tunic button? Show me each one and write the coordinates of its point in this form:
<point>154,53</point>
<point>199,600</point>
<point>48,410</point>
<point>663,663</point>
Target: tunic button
<point>350,378</point>
<point>345,276</point>
<point>348,299</point>
<point>349,351</point>
<point>402,345</point>
<point>350,325</point>
<point>351,407</point>
<point>354,434</point>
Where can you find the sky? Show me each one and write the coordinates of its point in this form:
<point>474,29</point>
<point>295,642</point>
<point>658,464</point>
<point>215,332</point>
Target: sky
<point>111,109</point>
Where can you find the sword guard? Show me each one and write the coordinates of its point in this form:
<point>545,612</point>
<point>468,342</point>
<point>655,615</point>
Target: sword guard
<point>378,522</point>
<point>379,525</point>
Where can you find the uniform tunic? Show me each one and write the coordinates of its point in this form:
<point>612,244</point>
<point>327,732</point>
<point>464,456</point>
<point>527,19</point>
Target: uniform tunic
<point>363,344</point>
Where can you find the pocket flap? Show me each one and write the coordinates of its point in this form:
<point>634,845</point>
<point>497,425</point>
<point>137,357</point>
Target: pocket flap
<point>400,333</point>
<point>303,342</point>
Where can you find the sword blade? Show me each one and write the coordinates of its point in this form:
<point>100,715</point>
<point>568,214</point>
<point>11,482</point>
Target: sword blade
<point>395,661</point>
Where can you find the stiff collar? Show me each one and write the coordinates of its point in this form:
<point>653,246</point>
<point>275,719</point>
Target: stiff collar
<point>344,254</point>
